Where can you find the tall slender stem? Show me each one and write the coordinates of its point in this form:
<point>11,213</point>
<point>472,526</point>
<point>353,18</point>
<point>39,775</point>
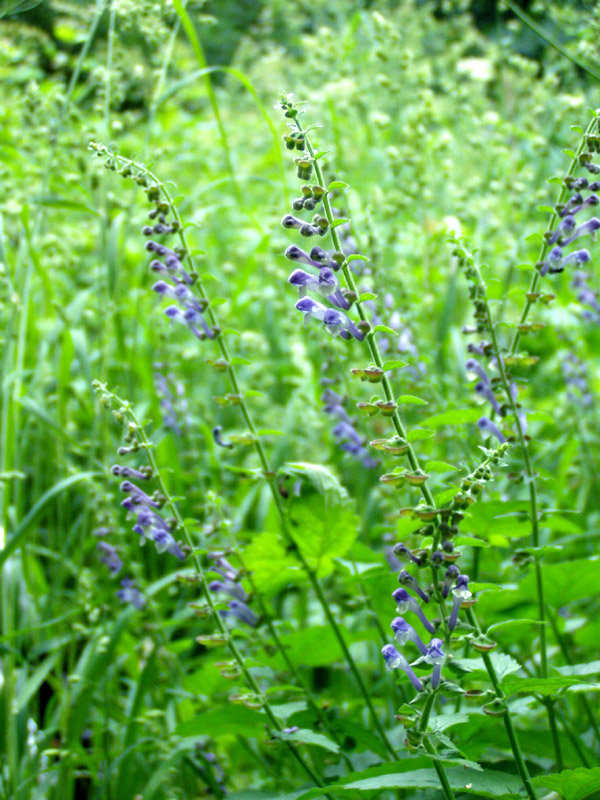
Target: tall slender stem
<point>266,468</point>
<point>412,458</point>
<point>233,648</point>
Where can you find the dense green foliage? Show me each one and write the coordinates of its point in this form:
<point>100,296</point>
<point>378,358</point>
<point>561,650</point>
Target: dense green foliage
<point>447,129</point>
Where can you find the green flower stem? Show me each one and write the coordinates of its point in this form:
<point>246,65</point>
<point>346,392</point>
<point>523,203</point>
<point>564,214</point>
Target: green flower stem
<point>439,768</point>
<point>508,723</point>
<point>316,708</point>
<point>233,648</point>
<point>268,473</point>
<point>536,277</point>
<point>414,463</point>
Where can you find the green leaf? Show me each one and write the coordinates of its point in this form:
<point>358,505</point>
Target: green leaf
<point>337,185</point>
<point>439,466</point>
<point>239,361</point>
<point>324,523</point>
<point>341,221</point>
<point>470,541</point>
<point>411,399</point>
<point>384,329</point>
<point>316,646</point>
<point>591,668</point>
<point>269,432</point>
<point>442,722</point>
<point>272,568</point>
<point>417,434</point>
<point>366,296</point>
<point>229,719</point>
<point>457,416</point>
<point>356,257</point>
<point>394,364</point>
<point>491,783</point>
<point>308,737</point>
<point>544,686</point>
<point>572,784</point>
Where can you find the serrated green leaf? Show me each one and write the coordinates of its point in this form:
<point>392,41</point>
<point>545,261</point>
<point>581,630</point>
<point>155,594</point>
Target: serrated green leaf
<point>324,523</point>
<point>272,567</point>
<point>572,784</point>
<point>544,686</point>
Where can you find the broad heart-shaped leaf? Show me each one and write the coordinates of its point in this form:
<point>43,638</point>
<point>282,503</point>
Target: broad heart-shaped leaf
<point>543,686</point>
<point>322,522</point>
<point>490,783</point>
<point>572,784</point>
<point>307,736</point>
<point>316,646</point>
<point>271,567</point>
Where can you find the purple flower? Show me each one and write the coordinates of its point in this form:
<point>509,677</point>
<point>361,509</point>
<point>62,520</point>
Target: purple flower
<point>323,258</point>
<point>435,656</point>
<point>336,322</point>
<point>556,263</point>
<point>590,227</point>
<point>394,660</point>
<point>151,525</point>
<point>129,472</point>
<point>406,633</point>
<point>407,603</point>
<point>451,575</point>
<point>573,201</point>
<point>472,365</point>
<point>130,594</point>
<point>326,284</point>
<point>230,588</point>
<point>401,548</point>
<point>137,496</point>
<point>191,318</point>
<point>485,390</point>
<point>296,254</point>
<point>566,226</point>
<point>487,426</point>
<point>241,612</point>
<point>460,593</point>
<point>406,579</point>
<point>108,555</point>
<point>217,432</point>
